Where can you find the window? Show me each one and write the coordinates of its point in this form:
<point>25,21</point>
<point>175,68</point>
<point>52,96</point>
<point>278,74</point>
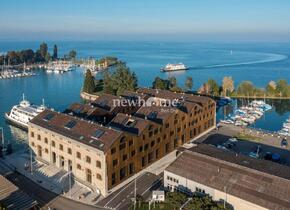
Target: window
<point>79,167</point>
<point>45,140</point>
<point>61,147</point>
<point>131,168</point>
<point>113,178</point>
<point>99,177</point>
<point>152,143</point>
<point>115,162</point>
<point>133,153</point>
<point>143,161</point>
<point>167,148</point>
<point>199,190</point>
<point>53,143</point>
<point>150,157</point>
<point>88,159</point>
<point>98,163</point>
<point>125,157</point>
<point>48,117</point>
<point>122,146</point>
<point>69,151</point>
<point>38,137</point>
<point>158,140</point>
<point>122,173</point>
<point>140,149</point>
<point>146,147</point>
<point>32,144</point>
<point>167,125</point>
<point>123,140</point>
<point>32,134</point>
<point>79,156</point>
<point>98,133</point>
<point>150,133</point>
<point>130,123</point>
<point>156,131</point>
<point>157,153</point>
<point>130,142</point>
<point>46,151</point>
<point>70,124</point>
<point>113,150</point>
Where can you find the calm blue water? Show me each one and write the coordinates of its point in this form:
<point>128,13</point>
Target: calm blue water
<point>257,62</point>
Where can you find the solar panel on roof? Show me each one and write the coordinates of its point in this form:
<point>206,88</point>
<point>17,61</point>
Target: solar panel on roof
<point>99,133</point>
<point>70,124</point>
<point>48,117</point>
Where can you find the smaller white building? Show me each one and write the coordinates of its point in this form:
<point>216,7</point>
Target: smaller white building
<point>158,196</point>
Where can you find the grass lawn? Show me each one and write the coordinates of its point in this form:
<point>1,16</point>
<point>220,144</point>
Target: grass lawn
<point>248,137</point>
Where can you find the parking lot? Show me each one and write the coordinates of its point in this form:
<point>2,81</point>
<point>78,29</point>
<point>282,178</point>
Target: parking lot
<point>267,148</point>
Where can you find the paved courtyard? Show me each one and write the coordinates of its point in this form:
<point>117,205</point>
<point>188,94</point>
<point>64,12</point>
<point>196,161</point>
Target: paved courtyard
<point>50,177</point>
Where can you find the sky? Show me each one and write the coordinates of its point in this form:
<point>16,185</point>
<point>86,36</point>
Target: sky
<point>145,20</point>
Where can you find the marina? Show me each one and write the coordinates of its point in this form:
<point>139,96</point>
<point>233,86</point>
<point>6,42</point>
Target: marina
<point>247,115</point>
<point>58,67</point>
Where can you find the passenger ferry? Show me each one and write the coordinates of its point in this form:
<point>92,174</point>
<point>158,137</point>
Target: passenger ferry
<point>174,67</point>
<point>22,113</point>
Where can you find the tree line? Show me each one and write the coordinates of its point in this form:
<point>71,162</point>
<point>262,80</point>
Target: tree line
<point>123,79</point>
<point>29,56</point>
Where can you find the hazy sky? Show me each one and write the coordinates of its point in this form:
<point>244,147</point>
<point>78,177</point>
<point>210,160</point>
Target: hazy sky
<point>145,20</point>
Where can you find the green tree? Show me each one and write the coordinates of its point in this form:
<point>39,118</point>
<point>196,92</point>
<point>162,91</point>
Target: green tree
<point>54,52</point>
<point>122,79</point>
<point>213,87</point>
<point>89,83</point>
<point>228,86</point>
<point>47,57</point>
<point>283,88</point>
<point>271,89</point>
<point>188,83</point>
<point>159,83</point>
<point>246,88</point>
<point>108,84</point>
<point>72,54</point>
<point>172,82</point>
<point>43,50</point>
<point>176,198</point>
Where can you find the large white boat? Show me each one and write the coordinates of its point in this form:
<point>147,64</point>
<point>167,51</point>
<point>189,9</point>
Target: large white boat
<point>22,113</point>
<point>174,67</point>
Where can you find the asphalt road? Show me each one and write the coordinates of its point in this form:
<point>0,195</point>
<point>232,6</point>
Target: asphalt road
<point>122,198</point>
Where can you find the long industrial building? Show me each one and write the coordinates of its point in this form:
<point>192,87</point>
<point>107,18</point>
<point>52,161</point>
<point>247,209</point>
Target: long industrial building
<point>234,179</point>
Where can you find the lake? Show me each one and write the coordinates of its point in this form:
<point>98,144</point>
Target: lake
<point>256,62</point>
